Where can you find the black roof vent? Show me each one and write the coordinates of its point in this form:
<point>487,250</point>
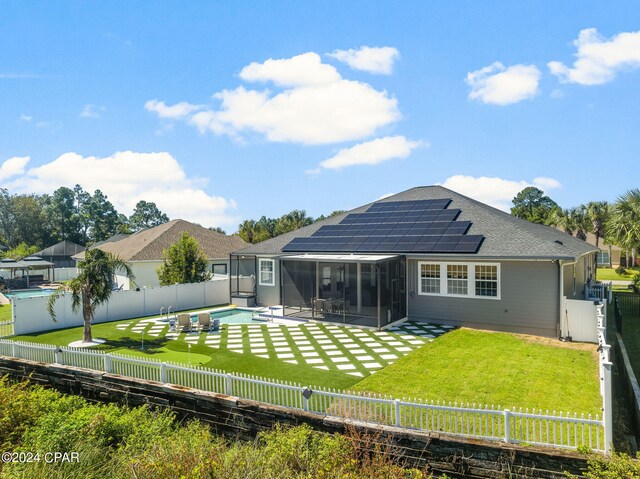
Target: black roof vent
<point>559,242</point>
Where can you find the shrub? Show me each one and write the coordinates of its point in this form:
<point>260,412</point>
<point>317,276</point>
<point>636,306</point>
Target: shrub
<point>618,466</point>
<point>635,282</point>
<point>621,270</point>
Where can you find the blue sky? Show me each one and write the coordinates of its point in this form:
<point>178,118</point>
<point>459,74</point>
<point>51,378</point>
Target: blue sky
<point>223,111</point>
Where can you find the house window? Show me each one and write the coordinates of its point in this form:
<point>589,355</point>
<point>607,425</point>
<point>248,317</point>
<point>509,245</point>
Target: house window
<point>429,278</point>
<point>603,258</point>
<point>486,280</point>
<point>219,269</point>
<point>457,279</point>
<point>267,272</point>
<point>466,280</point>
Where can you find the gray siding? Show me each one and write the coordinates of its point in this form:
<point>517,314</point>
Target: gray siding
<point>268,295</point>
<point>583,270</point>
<point>529,301</point>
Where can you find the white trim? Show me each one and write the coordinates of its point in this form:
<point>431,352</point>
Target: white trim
<point>471,279</point>
<point>273,272</point>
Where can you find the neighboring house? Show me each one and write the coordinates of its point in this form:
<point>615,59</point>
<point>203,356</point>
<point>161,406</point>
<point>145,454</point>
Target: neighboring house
<point>61,254</point>
<point>143,250</point>
<point>427,254</point>
<point>609,254</point>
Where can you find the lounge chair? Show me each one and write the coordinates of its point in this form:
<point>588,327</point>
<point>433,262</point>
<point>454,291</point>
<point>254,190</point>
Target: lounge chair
<point>204,321</point>
<point>184,322</point>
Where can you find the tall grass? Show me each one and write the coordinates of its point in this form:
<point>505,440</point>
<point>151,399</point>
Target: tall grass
<point>139,443</point>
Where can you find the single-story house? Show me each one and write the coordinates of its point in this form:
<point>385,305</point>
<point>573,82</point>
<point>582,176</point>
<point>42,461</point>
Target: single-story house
<point>426,254</point>
<point>143,250</point>
<point>608,254</point>
<point>61,254</point>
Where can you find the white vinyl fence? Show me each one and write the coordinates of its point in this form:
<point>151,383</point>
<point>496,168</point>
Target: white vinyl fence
<point>30,314</point>
<point>557,429</point>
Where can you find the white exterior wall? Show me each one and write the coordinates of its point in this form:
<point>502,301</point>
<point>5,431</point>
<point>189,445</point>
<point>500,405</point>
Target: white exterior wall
<point>146,274</point>
<point>580,320</point>
<point>30,314</point>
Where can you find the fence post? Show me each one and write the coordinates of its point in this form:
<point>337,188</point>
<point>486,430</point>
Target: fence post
<point>163,373</point>
<point>107,363</point>
<point>507,426</point>
<point>396,403</point>
<point>607,407</point>
<point>13,350</point>
<point>58,355</point>
<point>228,383</point>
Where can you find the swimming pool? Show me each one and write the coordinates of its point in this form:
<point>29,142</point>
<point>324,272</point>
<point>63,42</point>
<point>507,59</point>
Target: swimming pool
<point>232,316</point>
<point>28,293</point>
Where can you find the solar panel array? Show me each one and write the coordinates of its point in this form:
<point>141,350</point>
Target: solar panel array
<point>420,226</point>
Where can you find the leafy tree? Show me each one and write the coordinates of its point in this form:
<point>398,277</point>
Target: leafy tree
<point>623,225</point>
<point>20,251</point>
<point>7,217</point>
<point>92,287</point>
<point>102,217</point>
<point>63,215</point>
<point>533,205</point>
<point>255,231</point>
<point>146,215</point>
<point>184,262</point>
<point>292,221</point>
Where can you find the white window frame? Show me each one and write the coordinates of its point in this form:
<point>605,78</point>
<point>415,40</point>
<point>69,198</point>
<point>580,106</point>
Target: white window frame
<point>601,254</point>
<point>471,279</point>
<point>262,261</point>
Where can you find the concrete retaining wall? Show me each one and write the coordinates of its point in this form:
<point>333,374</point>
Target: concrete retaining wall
<point>457,457</point>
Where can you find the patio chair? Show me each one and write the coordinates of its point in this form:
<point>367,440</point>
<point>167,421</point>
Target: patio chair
<point>204,321</point>
<point>184,322</point>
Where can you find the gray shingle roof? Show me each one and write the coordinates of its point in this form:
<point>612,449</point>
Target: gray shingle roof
<point>505,236</point>
<point>147,245</point>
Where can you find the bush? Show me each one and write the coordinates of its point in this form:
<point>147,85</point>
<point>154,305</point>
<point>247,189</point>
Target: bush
<point>621,270</point>
<point>635,282</point>
<point>618,466</point>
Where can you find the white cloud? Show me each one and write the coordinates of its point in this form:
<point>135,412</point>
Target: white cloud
<point>599,59</point>
<point>498,85</point>
<point>174,112</point>
<point>91,111</point>
<point>25,118</point>
<point>301,70</point>
<point>372,152</point>
<point>128,177</point>
<point>370,59</point>
<point>13,167</point>
<point>496,192</point>
<point>316,106</point>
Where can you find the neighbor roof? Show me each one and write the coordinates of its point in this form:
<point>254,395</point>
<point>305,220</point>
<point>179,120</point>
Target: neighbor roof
<point>147,245</point>
<point>63,248</point>
<point>505,236</point>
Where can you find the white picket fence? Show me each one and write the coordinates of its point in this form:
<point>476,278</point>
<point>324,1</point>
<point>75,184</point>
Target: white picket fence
<point>557,429</point>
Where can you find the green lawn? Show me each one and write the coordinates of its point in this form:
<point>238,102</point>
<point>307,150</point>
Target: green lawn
<point>609,274</point>
<point>5,312</point>
<point>461,365</point>
<point>495,368</point>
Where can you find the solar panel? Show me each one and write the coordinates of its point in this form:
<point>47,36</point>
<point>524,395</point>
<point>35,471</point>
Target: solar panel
<point>416,226</point>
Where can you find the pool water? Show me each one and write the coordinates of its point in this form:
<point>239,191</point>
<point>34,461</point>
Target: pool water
<point>232,316</point>
<point>28,293</point>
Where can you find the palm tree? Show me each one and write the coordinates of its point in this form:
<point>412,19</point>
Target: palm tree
<point>563,219</point>
<point>598,213</point>
<point>624,222</point>
<point>92,287</point>
<point>580,221</point>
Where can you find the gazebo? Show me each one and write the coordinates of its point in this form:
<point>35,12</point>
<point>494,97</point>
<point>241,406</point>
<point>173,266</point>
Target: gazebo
<point>26,265</point>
